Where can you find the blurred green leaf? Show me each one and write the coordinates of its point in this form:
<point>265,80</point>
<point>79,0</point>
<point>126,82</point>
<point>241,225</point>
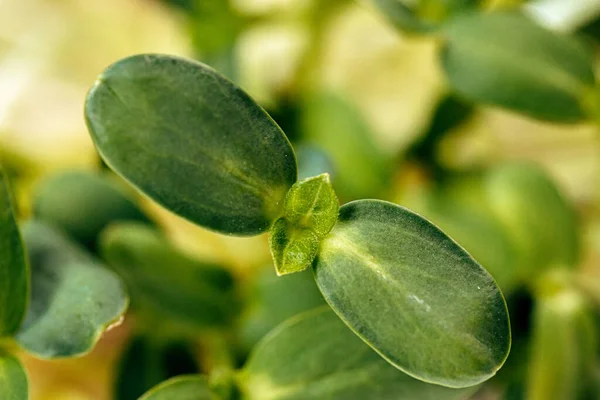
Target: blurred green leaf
<point>147,362</point>
<point>166,283</point>
<point>272,299</point>
<point>451,112</point>
<point>215,27</point>
<point>13,379</point>
<point>74,299</point>
<point>413,294</point>
<point>335,125</point>
<point>14,271</point>
<point>505,59</point>
<point>422,16</point>
<point>315,356</point>
<point>191,387</point>
<point>83,203</point>
<point>310,211</point>
<point>563,348</point>
<point>193,141</point>
<point>539,220</point>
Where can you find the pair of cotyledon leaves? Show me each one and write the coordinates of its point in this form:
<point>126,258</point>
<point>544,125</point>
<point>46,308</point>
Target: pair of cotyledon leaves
<point>194,142</point>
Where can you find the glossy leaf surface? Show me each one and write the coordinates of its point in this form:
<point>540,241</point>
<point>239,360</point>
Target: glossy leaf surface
<point>190,387</point>
<point>166,282</point>
<point>14,271</point>
<point>193,141</point>
<point>413,294</point>
<point>83,203</point>
<point>74,298</point>
<point>314,356</point>
<point>13,379</point>
<point>505,59</point>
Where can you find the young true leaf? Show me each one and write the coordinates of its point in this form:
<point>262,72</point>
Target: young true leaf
<point>505,59</point>
<point>83,203</point>
<point>310,211</point>
<point>421,15</point>
<point>14,271</point>
<point>314,356</point>
<point>193,141</point>
<point>190,387</point>
<point>293,248</point>
<point>564,348</point>
<point>312,204</point>
<point>413,294</point>
<point>74,298</point>
<point>13,379</point>
<point>541,223</point>
<point>163,281</point>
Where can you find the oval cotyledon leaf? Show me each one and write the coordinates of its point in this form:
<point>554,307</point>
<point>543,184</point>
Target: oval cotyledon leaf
<point>193,141</point>
<point>413,294</point>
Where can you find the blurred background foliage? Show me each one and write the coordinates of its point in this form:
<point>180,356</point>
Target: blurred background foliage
<point>360,99</point>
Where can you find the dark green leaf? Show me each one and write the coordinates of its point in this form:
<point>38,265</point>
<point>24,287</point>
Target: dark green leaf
<point>147,362</point>
<point>193,141</point>
<point>13,379</point>
<point>165,282</point>
<point>191,387</point>
<point>314,356</point>
<point>74,298</point>
<point>505,59</point>
<point>413,294</point>
<point>421,15</point>
<point>564,348</point>
<point>14,271</point>
<point>541,223</point>
<point>83,203</point>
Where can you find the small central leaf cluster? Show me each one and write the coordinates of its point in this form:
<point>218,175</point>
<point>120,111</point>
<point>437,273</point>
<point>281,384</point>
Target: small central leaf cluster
<point>310,211</point>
